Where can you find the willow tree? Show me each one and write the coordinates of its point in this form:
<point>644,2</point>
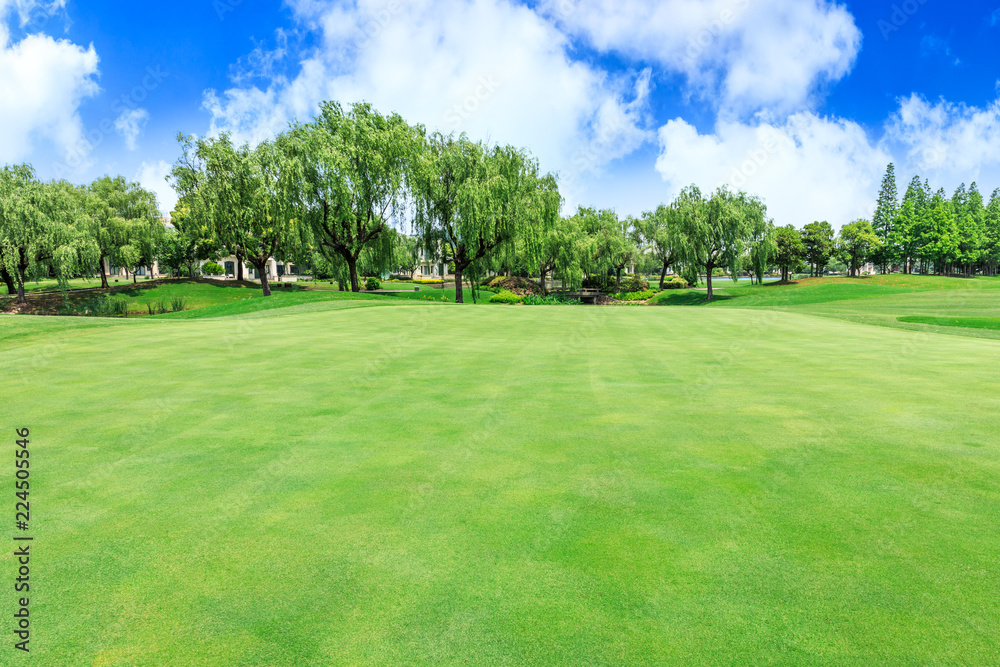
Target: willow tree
<point>245,195</point>
<point>562,247</point>
<point>610,244</point>
<point>124,219</point>
<point>661,234</point>
<point>40,230</point>
<point>474,202</point>
<point>718,230</point>
<point>353,165</point>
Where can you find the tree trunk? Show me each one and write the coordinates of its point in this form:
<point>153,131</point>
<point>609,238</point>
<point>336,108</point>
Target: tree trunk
<point>544,273</point>
<point>663,277</point>
<point>265,286</point>
<point>11,289</point>
<point>135,278</point>
<point>709,270</point>
<point>352,264</point>
<point>104,275</point>
<point>618,279</point>
<point>21,300</point>
<point>459,297</point>
<point>239,266</point>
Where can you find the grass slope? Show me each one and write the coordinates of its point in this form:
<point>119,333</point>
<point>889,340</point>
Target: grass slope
<point>992,323</point>
<point>434,485</point>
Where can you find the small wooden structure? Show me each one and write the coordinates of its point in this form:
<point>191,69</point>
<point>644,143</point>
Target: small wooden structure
<point>586,296</point>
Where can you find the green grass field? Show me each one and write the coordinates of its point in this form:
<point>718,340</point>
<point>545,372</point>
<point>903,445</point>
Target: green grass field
<point>369,480</point>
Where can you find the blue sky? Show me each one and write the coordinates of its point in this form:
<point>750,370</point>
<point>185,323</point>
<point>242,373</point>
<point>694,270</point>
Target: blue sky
<point>803,102</point>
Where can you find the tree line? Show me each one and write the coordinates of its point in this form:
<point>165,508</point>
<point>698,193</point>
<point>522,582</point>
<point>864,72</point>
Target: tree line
<point>929,232</point>
<point>64,230</point>
<point>331,193</point>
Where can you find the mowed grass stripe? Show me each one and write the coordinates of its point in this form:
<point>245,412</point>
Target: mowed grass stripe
<point>445,485</point>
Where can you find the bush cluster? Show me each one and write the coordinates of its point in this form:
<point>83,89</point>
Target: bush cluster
<point>506,296</point>
<point>644,295</point>
<point>372,284</point>
<point>518,286</point>
<point>676,283</point>
<point>212,269</point>
<point>633,284</point>
<point>554,300</point>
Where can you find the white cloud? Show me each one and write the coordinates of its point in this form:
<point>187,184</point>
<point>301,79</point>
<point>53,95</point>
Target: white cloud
<point>130,124</point>
<point>152,176</point>
<point>743,55</point>
<point>494,70</point>
<point>813,168</point>
<point>807,168</point>
<point>947,142</point>
<point>42,84</point>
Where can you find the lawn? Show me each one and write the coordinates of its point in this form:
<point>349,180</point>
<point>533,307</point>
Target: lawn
<point>417,483</point>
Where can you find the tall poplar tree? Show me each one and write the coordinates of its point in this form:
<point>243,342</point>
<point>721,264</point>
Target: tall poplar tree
<point>884,220</point>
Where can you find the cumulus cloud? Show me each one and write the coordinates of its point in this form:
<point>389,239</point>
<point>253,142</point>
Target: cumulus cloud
<point>130,124</point>
<point>810,167</point>
<point>43,81</point>
<point>948,142</point>
<point>153,177</point>
<point>748,56</point>
<point>494,70</point>
<point>807,168</point>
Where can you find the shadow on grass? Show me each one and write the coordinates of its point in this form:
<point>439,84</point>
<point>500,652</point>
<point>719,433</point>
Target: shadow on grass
<point>689,298</point>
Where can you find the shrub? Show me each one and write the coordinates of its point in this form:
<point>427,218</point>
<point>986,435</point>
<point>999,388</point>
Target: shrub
<point>518,286</point>
<point>212,269</point>
<point>634,296</point>
<point>178,303</point>
<point>633,284</point>
<point>676,283</point>
<point>554,300</point>
<point>106,306</point>
<point>506,296</point>
<point>151,308</point>
<point>373,284</point>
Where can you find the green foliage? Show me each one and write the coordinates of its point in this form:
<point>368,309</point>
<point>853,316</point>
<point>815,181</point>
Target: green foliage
<point>178,303</point>
<point>633,284</point>
<point>818,240</point>
<point>372,284</point>
<point>506,296</point>
<point>858,242</point>
<point>212,269</point>
<point>477,206</point>
<point>352,167</point>
<point>551,300</point>
<point>644,295</point>
<point>718,231</point>
<point>108,305</point>
<point>885,219</point>
<point>518,286</point>
<point>246,195</point>
<point>789,250</point>
<point>677,282</point>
